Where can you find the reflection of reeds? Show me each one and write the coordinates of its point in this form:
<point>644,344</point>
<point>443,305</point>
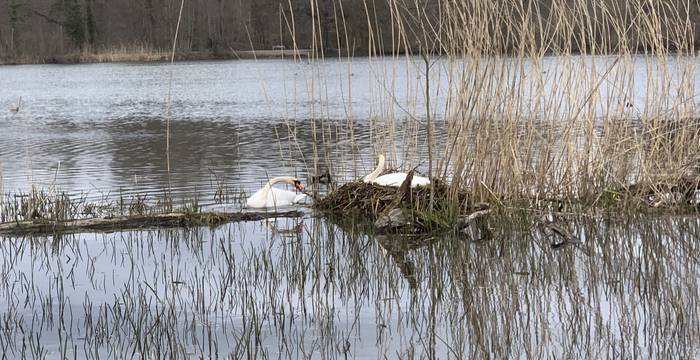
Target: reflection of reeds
<point>325,290</point>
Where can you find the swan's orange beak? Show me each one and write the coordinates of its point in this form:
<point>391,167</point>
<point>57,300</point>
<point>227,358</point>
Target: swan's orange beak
<point>298,185</point>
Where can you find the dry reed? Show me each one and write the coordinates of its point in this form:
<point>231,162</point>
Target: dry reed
<point>577,101</point>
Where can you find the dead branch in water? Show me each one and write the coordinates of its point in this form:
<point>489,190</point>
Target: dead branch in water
<point>123,223</point>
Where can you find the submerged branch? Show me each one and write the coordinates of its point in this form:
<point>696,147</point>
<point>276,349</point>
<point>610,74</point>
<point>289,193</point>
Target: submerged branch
<point>123,223</point>
<point>467,220</point>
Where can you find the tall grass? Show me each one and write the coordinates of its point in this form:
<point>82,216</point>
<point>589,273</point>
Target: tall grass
<point>576,100</point>
<point>134,52</point>
<point>521,128</point>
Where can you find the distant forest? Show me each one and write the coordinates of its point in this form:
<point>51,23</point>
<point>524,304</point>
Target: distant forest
<point>42,29</point>
<point>45,28</point>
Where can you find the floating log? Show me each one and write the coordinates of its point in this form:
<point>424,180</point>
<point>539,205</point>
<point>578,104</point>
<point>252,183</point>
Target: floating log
<point>124,223</point>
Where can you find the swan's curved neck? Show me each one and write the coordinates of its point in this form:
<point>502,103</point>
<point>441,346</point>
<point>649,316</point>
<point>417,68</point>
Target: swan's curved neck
<point>277,180</point>
<point>373,175</point>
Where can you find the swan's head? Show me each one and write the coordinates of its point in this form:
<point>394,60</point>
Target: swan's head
<point>297,184</point>
<point>291,180</point>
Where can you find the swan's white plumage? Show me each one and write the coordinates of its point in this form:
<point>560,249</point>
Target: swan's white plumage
<point>373,175</point>
<point>396,179</point>
<point>269,197</point>
<point>393,179</point>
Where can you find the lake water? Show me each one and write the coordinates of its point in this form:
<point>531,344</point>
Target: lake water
<point>100,129</point>
<point>309,288</point>
<point>304,287</point>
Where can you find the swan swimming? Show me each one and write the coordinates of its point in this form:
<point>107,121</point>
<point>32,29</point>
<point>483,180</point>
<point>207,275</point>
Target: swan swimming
<point>269,197</point>
<point>393,179</point>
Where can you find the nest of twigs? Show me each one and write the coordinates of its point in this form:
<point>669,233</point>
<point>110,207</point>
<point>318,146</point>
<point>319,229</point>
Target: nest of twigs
<point>370,202</point>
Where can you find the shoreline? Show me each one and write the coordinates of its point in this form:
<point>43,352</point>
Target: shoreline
<point>149,56</point>
<point>160,56</point>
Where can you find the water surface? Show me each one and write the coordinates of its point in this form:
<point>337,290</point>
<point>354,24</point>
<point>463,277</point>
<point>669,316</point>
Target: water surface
<point>309,286</point>
<point>101,128</point>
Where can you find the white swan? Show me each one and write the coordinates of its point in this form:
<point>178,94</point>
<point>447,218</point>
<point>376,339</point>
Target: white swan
<point>393,179</point>
<point>396,179</point>
<point>269,197</point>
<point>373,175</point>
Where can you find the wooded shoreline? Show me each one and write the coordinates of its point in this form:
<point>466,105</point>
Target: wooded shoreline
<point>73,31</point>
<point>161,56</point>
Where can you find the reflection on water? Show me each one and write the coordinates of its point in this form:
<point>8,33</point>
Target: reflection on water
<point>302,287</point>
<point>305,287</point>
<point>100,128</point>
<point>128,157</point>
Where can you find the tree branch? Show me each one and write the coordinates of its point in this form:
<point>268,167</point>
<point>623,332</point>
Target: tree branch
<point>47,17</point>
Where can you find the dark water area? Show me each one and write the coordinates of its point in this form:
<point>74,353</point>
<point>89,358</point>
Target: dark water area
<point>308,287</point>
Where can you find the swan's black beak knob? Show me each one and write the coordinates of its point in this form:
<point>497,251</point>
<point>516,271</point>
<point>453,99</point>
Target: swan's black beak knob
<point>298,185</point>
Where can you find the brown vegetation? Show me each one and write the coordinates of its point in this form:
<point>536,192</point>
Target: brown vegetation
<point>47,212</point>
<point>524,127</point>
<point>400,209</point>
<point>136,222</point>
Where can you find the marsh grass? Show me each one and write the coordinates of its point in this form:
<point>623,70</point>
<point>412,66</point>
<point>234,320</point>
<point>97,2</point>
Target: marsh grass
<point>135,52</point>
<point>40,204</point>
<point>539,102</point>
<point>225,193</point>
<point>52,204</point>
<point>335,292</point>
<point>127,52</point>
<point>586,145</point>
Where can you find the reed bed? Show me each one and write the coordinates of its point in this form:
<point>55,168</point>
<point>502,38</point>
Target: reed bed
<point>519,129</point>
<point>54,205</point>
<point>123,53</point>
<point>574,101</point>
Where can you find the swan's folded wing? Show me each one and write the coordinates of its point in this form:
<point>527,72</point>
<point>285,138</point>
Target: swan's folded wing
<point>256,200</point>
<point>302,199</point>
<point>396,179</point>
<point>420,181</point>
<point>280,198</point>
